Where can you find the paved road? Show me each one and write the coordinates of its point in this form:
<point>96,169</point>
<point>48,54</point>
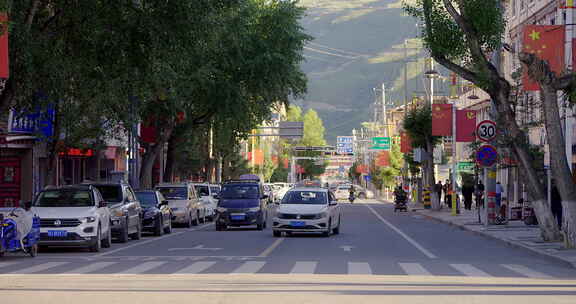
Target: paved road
<point>374,241</point>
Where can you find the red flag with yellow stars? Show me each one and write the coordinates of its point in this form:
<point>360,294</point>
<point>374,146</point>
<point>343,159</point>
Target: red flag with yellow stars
<point>546,42</point>
<point>442,119</point>
<point>465,125</point>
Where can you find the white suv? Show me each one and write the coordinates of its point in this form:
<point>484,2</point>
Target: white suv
<point>208,193</point>
<point>307,210</point>
<point>73,216</point>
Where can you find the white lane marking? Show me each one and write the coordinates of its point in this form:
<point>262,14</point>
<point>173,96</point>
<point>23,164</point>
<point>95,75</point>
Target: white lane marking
<point>150,241</point>
<point>271,248</point>
<point>525,271</point>
<point>406,237</point>
<point>469,270</point>
<point>359,268</point>
<point>249,267</point>
<point>38,268</point>
<point>142,268</point>
<point>195,268</point>
<point>304,268</point>
<point>414,269</point>
<point>91,267</point>
<point>199,247</point>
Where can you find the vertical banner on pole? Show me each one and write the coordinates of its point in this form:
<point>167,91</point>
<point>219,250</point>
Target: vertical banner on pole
<point>4,57</point>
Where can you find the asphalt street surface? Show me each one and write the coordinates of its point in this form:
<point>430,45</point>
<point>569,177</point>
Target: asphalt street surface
<point>374,240</point>
<point>374,243</point>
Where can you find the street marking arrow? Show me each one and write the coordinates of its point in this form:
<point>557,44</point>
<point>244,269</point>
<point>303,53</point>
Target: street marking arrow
<point>199,247</point>
<point>347,248</point>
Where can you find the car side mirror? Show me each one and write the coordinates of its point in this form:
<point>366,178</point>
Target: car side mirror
<point>102,204</point>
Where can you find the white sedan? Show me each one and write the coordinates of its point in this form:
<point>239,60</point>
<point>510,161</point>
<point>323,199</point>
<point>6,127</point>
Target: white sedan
<point>307,210</point>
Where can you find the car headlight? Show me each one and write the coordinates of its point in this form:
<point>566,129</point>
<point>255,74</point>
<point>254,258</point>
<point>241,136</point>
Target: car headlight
<point>149,214</point>
<point>254,209</point>
<point>89,219</point>
<point>221,210</point>
<point>321,215</point>
<point>117,212</point>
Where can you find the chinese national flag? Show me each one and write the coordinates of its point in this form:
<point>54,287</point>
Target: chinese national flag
<point>546,42</point>
<point>442,119</point>
<point>405,143</point>
<point>465,125</point>
<point>4,58</point>
<point>564,4</point>
<point>383,159</point>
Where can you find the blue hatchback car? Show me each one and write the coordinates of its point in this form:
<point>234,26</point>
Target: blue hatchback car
<point>242,203</point>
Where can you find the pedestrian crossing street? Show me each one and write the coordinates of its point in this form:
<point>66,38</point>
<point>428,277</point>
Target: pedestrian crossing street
<point>262,266</point>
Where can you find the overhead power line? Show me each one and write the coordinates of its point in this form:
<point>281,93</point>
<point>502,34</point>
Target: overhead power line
<point>328,53</point>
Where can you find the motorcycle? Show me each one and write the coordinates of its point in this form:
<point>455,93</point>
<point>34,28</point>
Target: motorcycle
<point>351,198</point>
<point>400,202</point>
<point>19,231</point>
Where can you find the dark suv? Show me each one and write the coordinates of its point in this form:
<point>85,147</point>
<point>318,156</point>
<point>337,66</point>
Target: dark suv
<point>241,203</point>
<point>125,210</point>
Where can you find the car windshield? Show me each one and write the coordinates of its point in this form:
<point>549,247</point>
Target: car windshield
<point>305,198</point>
<point>147,198</point>
<point>65,198</point>
<point>202,190</point>
<point>174,193</point>
<point>343,187</point>
<point>110,193</point>
<point>239,191</point>
<point>215,190</point>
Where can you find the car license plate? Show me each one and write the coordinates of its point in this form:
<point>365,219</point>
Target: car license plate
<point>238,217</point>
<point>57,233</point>
<point>297,224</point>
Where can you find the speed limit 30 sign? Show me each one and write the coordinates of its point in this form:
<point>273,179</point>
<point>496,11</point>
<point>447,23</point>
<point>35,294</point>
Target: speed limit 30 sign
<point>486,130</point>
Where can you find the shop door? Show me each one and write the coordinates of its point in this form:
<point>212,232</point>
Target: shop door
<point>10,178</point>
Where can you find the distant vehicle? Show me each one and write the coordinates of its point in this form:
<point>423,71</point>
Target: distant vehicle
<point>363,193</point>
<point>73,216</point>
<point>157,214</point>
<point>308,210</point>
<point>249,177</point>
<point>207,194</point>
<point>342,192</point>
<point>183,201</point>
<point>242,203</point>
<point>269,190</point>
<point>282,191</point>
<point>125,210</point>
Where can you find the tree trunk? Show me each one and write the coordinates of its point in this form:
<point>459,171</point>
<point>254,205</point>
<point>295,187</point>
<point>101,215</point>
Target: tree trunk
<point>540,71</point>
<point>559,165</point>
<point>548,227</point>
<point>151,155</point>
<point>169,172</point>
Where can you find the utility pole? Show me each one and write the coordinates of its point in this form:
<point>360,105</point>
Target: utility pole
<point>405,78</point>
<point>384,118</point>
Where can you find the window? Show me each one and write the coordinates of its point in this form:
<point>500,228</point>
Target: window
<point>147,198</point>
<point>305,198</point>
<point>111,194</point>
<point>202,190</point>
<point>239,191</point>
<point>174,193</point>
<point>65,198</point>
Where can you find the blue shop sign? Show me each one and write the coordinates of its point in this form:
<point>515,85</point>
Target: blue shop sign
<point>37,122</point>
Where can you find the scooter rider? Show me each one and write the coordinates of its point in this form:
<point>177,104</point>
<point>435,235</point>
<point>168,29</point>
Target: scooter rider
<point>351,197</point>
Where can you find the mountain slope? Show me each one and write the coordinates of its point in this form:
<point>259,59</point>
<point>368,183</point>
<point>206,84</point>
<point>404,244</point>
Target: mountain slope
<point>358,45</point>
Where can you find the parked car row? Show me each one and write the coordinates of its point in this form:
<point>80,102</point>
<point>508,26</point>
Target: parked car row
<point>91,215</point>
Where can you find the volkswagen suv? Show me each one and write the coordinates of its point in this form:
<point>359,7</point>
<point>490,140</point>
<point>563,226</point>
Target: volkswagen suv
<point>73,216</point>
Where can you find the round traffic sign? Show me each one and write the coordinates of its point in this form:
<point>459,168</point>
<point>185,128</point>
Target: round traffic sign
<point>486,130</point>
<point>486,156</point>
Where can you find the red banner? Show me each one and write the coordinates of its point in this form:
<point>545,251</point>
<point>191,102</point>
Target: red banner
<point>547,43</point>
<point>4,57</point>
<point>465,125</point>
<point>405,143</point>
<point>442,119</point>
<point>383,159</point>
<point>362,169</point>
<point>259,157</point>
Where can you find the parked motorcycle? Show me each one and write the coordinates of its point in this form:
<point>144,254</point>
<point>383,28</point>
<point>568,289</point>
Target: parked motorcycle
<point>351,198</point>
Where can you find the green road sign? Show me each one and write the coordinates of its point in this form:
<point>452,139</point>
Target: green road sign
<point>466,167</point>
<point>380,143</point>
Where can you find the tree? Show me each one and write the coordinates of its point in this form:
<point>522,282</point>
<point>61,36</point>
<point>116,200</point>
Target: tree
<point>313,137</point>
<point>387,175</point>
<point>418,125</point>
<point>461,35</point>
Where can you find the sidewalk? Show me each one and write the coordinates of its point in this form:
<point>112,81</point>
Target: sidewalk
<point>515,233</point>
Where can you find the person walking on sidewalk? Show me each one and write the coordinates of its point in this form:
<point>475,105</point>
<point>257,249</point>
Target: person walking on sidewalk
<point>479,194</point>
<point>467,192</point>
<point>498,195</point>
<point>438,188</point>
<point>448,194</point>
<point>556,204</point>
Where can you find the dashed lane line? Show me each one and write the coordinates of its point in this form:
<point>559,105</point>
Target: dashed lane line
<point>249,267</point>
<point>304,268</point>
<point>469,270</point>
<point>271,248</point>
<point>414,269</point>
<point>406,237</point>
<point>523,270</point>
<point>195,268</point>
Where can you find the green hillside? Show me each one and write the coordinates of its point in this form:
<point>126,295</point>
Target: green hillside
<point>358,45</point>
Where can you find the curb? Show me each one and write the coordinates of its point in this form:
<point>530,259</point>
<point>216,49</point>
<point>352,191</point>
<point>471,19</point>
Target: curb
<point>508,242</point>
